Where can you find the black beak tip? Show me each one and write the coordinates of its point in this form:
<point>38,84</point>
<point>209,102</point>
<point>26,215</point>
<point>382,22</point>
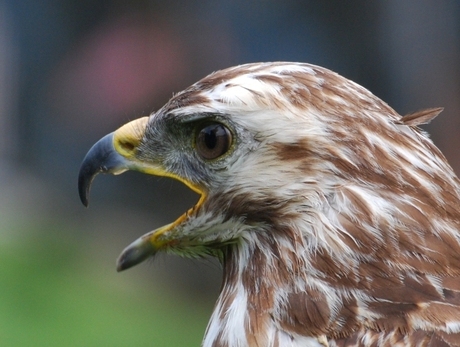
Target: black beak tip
<point>83,190</point>
<point>134,254</point>
<point>100,158</point>
<point>121,265</point>
<point>84,200</point>
<point>124,263</point>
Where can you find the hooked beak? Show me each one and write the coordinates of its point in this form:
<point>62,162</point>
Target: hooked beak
<point>101,158</point>
<point>114,154</point>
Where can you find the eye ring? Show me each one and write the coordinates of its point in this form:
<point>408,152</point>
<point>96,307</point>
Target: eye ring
<point>212,140</point>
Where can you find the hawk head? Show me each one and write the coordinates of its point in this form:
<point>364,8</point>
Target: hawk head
<point>336,220</point>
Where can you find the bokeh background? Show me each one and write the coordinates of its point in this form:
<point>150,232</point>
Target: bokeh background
<point>73,70</point>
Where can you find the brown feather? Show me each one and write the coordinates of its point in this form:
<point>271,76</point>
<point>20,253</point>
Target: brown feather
<point>421,117</point>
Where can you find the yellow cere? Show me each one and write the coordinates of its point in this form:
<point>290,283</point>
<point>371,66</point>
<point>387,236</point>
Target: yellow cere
<point>127,138</point>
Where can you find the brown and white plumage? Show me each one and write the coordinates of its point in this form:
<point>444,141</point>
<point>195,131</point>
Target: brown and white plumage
<point>336,220</point>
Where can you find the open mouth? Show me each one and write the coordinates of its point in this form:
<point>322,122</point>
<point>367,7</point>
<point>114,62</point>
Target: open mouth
<point>107,157</point>
<point>148,244</point>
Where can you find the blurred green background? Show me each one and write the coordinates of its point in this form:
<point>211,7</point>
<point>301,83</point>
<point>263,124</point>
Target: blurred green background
<point>53,296</point>
<point>59,287</point>
<point>73,70</point>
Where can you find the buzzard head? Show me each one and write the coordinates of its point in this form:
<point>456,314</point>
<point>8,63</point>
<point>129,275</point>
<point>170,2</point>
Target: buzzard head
<point>336,219</point>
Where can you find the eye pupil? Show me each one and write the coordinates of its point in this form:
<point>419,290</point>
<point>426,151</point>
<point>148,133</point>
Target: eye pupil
<point>213,141</point>
<point>210,138</point>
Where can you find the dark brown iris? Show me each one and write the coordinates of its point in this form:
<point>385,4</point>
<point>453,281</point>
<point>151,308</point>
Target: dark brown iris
<point>213,140</point>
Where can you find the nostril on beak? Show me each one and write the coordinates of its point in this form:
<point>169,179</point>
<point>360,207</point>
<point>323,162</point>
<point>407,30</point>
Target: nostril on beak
<point>127,146</point>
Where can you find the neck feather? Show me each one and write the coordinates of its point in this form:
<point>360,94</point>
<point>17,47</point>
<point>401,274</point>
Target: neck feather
<point>256,290</point>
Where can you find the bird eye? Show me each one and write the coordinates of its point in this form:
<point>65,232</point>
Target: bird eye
<point>213,140</point>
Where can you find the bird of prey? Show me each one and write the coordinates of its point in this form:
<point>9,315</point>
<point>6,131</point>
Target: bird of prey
<point>336,220</point>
